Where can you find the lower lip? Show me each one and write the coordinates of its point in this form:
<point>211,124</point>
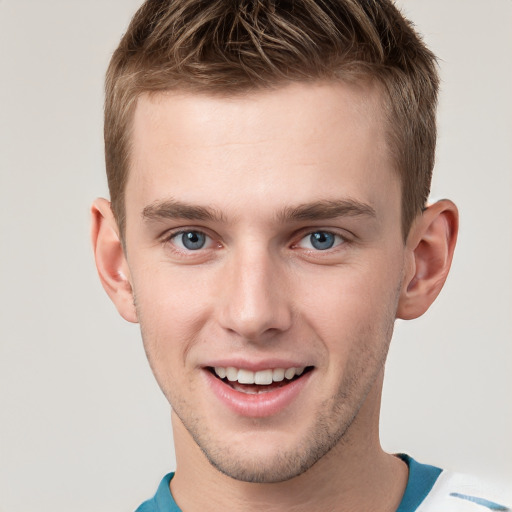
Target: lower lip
<point>258,405</point>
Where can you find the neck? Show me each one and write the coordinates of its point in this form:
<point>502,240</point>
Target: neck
<point>356,475</point>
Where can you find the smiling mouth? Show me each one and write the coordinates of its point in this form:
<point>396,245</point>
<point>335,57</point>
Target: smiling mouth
<point>263,381</point>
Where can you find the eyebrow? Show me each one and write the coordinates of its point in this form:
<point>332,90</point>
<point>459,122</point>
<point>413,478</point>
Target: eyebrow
<point>323,210</point>
<point>173,209</point>
<point>318,210</point>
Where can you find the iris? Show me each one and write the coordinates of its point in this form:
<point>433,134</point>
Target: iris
<point>322,240</point>
<point>193,240</point>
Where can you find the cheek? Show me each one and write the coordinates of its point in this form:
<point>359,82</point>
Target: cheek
<point>172,308</point>
<point>166,293</point>
<point>357,301</point>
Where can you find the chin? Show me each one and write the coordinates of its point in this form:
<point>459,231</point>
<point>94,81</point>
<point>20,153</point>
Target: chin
<point>280,467</point>
<point>267,460</point>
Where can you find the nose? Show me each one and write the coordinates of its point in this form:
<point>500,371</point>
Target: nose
<point>256,298</point>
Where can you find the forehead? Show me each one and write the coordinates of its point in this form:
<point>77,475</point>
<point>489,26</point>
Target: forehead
<point>321,106</point>
<point>305,140</point>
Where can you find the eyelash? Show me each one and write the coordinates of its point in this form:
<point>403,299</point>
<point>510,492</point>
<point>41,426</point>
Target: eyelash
<point>341,240</point>
<point>168,238</point>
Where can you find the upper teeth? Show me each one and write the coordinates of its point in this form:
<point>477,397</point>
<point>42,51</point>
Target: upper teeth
<point>262,377</point>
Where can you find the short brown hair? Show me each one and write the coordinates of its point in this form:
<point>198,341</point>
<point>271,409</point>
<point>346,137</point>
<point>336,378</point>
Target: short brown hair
<point>234,46</point>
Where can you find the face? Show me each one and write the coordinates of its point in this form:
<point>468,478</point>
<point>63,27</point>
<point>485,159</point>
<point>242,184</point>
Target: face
<point>266,258</point>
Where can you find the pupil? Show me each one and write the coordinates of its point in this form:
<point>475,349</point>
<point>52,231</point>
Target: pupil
<point>322,240</point>
<point>193,240</point>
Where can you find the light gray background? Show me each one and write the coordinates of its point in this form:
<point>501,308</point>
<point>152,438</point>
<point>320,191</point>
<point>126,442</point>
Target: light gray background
<point>83,425</point>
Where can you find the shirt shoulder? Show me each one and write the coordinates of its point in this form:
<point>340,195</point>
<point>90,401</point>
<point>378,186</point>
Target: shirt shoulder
<point>429,489</point>
<point>162,501</point>
<point>456,492</point>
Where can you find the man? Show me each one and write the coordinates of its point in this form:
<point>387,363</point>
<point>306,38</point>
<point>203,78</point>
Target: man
<point>269,165</point>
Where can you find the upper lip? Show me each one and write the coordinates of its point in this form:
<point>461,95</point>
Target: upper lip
<point>256,365</point>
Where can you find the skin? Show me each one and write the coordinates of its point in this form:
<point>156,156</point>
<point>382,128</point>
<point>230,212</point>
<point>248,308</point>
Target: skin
<point>258,174</point>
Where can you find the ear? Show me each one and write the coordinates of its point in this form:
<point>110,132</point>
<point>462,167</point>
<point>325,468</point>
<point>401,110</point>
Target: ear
<point>110,259</point>
<point>429,247</point>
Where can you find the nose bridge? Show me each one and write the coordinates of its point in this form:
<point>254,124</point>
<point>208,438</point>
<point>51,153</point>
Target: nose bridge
<point>255,299</point>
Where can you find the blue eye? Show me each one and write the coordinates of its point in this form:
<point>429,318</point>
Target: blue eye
<point>190,240</point>
<point>320,241</point>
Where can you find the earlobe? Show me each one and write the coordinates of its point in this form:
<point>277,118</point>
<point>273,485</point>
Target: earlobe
<point>430,246</point>
<point>110,259</point>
